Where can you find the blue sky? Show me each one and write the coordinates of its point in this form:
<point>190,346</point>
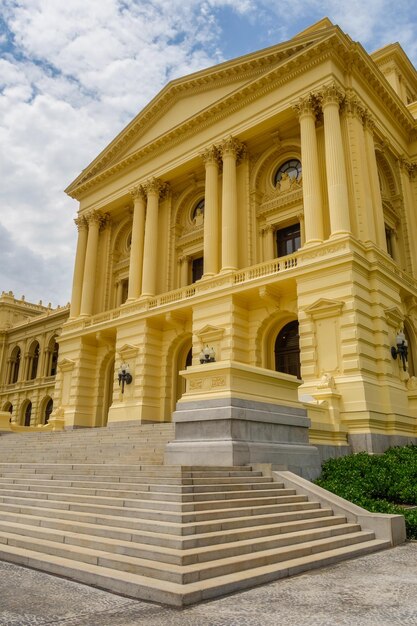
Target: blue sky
<point>74,73</point>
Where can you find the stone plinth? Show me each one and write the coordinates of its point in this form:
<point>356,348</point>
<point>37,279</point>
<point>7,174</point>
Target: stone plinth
<point>253,417</point>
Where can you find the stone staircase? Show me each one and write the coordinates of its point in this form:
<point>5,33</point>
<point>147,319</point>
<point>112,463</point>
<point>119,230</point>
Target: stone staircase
<point>169,534</point>
<point>120,443</point>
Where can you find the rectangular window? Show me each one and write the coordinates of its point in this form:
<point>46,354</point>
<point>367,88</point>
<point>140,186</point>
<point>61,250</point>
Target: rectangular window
<point>288,240</point>
<point>197,268</point>
<point>388,235</point>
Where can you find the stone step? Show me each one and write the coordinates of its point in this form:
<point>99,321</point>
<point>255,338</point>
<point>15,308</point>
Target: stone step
<point>184,574</point>
<point>163,554</point>
<point>158,510</point>
<point>147,492</point>
<point>141,587</point>
<point>168,526</point>
<point>172,541</point>
<point>173,485</point>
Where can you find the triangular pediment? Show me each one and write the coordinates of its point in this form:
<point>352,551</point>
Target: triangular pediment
<point>194,99</point>
<point>324,307</point>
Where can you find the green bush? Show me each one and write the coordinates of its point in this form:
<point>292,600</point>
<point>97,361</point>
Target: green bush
<point>377,483</point>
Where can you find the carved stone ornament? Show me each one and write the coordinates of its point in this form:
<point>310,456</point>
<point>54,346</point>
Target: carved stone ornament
<point>232,146</point>
<point>156,186</point>
<point>330,94</point>
<point>305,106</point>
<point>211,155</point>
<point>138,192</point>
<point>326,382</point>
<point>81,223</point>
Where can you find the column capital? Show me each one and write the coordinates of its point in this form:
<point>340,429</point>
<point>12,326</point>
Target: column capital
<point>300,217</point>
<point>81,223</point>
<point>406,166</point>
<point>94,217</point>
<point>353,107</point>
<point>211,155</point>
<point>232,146</point>
<point>305,106</point>
<point>266,229</point>
<point>156,187</point>
<point>330,94</point>
<point>368,121</point>
<point>138,192</point>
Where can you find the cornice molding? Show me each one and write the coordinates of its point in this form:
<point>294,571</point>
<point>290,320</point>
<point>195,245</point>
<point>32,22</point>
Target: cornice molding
<point>330,44</point>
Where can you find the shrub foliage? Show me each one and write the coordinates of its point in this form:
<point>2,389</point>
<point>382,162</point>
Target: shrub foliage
<point>385,483</point>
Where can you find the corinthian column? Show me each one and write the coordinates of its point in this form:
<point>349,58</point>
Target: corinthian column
<point>331,97</point>
<point>136,248</point>
<point>211,212</point>
<point>378,212</point>
<point>77,283</point>
<point>312,198</point>
<point>154,188</point>
<point>94,221</point>
<point>231,150</point>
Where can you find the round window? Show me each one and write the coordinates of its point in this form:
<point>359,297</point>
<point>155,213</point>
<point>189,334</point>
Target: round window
<point>291,168</point>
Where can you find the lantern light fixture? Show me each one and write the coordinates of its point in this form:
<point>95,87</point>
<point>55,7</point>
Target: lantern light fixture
<point>401,350</point>
<point>207,355</point>
<point>124,375</point>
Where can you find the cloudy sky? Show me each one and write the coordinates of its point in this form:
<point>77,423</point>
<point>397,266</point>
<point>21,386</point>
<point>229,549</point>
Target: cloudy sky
<point>73,73</point>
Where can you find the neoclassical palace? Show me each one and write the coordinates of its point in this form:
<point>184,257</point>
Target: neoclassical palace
<point>249,239</point>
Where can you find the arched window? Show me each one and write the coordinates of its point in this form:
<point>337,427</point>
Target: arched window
<point>28,413</point>
<point>33,360</point>
<point>8,407</point>
<point>54,360</point>
<point>14,365</point>
<point>287,350</point>
<point>291,168</point>
<point>48,410</point>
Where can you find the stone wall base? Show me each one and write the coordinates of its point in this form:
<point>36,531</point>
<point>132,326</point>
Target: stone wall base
<point>234,431</point>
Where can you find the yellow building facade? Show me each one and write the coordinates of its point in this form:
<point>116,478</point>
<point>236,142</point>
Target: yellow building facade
<point>264,210</point>
<point>29,352</point>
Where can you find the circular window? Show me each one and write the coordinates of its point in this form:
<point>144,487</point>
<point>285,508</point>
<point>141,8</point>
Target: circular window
<point>291,168</point>
<point>198,211</point>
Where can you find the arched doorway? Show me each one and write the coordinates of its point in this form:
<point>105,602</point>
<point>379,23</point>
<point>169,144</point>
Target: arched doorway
<point>109,378</point>
<point>27,413</point>
<point>184,359</point>
<point>287,350</point>
<point>48,410</point>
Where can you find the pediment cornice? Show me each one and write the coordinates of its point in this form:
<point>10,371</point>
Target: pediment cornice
<point>253,67</point>
<point>288,61</point>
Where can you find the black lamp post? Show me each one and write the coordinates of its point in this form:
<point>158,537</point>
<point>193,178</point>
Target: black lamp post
<point>125,377</point>
<point>401,350</point>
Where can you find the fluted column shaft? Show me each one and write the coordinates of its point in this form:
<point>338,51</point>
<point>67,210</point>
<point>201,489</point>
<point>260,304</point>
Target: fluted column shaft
<point>378,212</point>
<point>335,162</point>
<point>77,283</point>
<point>153,190</point>
<point>231,149</point>
<point>312,197</point>
<point>87,298</point>
<point>136,249</point>
<point>211,212</point>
